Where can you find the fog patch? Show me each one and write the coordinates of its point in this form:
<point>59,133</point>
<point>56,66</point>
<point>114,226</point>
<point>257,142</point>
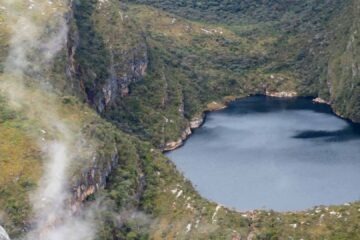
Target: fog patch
<point>3,234</point>
<point>38,33</point>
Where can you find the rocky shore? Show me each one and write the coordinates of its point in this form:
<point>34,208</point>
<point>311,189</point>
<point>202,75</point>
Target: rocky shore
<point>197,121</point>
<point>194,123</point>
<point>320,100</point>
<point>282,94</point>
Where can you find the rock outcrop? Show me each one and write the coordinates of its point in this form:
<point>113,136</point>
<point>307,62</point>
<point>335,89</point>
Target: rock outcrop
<point>282,94</point>
<point>320,100</point>
<point>113,66</point>
<point>169,146</point>
<point>92,178</point>
<point>196,122</point>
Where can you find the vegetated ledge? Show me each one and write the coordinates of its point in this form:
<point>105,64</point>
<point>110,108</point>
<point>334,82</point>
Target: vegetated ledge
<point>199,120</point>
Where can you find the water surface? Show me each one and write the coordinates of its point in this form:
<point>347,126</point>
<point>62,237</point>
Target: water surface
<point>268,153</point>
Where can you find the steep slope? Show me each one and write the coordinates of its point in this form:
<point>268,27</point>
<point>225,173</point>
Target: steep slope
<point>260,48</point>
<point>343,77</point>
<point>54,151</point>
<point>194,63</point>
<point>303,30</point>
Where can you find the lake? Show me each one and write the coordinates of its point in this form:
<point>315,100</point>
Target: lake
<point>271,153</point>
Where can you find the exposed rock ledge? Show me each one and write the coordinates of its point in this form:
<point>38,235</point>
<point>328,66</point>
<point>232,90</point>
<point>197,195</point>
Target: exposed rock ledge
<point>282,94</point>
<point>196,122</point>
<point>169,146</point>
<point>92,178</point>
<point>215,106</point>
<point>320,100</point>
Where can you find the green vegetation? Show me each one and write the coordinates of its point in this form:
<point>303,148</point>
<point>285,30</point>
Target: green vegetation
<point>20,164</point>
<point>343,71</point>
<point>247,11</point>
<point>187,69</point>
<point>192,63</point>
<point>91,54</point>
<point>149,67</point>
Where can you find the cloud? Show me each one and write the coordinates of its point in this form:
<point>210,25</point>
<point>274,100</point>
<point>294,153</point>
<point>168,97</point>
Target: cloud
<point>38,32</point>
<point>3,234</point>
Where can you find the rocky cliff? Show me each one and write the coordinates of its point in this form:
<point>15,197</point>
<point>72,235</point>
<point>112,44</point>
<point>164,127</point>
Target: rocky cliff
<point>105,52</point>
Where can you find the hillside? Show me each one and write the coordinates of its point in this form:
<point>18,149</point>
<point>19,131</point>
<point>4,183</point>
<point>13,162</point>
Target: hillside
<point>190,63</point>
<point>116,82</point>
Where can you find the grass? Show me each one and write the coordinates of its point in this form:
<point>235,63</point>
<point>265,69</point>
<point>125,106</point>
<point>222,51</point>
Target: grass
<point>21,166</point>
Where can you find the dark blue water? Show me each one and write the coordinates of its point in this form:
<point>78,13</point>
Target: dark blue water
<point>268,153</point>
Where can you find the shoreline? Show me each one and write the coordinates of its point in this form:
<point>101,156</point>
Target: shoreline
<point>194,123</point>
<point>199,120</point>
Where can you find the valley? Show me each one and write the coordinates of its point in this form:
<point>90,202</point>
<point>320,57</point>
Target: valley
<point>93,91</point>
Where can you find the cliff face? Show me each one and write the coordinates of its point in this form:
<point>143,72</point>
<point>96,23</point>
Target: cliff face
<point>92,177</point>
<point>106,53</point>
